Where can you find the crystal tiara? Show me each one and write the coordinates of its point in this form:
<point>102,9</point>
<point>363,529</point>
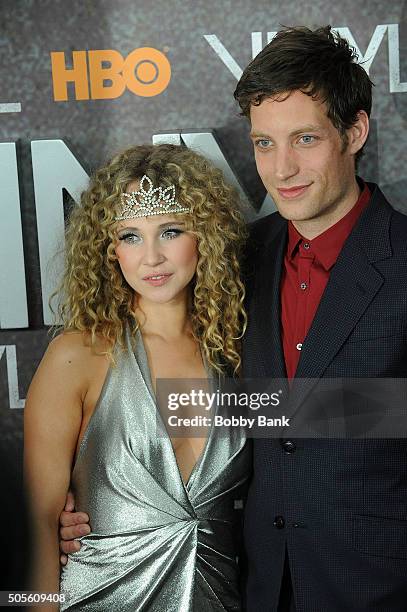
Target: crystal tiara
<point>149,201</point>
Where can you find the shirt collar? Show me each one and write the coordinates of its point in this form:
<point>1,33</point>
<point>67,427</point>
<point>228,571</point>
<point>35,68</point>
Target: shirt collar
<point>327,246</point>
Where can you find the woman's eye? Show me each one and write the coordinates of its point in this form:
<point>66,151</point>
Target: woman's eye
<point>171,233</point>
<point>130,238</point>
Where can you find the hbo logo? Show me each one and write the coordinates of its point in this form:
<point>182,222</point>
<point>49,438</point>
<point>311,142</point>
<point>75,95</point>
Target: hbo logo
<point>105,74</point>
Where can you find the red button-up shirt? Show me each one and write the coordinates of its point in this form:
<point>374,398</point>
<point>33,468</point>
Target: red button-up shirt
<point>305,274</point>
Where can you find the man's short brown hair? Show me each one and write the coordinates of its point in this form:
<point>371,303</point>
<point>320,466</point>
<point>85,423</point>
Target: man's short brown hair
<point>319,63</point>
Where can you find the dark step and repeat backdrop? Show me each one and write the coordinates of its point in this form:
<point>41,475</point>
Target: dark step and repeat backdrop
<point>83,79</point>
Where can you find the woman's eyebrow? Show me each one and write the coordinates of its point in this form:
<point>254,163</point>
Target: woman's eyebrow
<point>125,229</point>
<point>171,223</point>
<point>161,226</point>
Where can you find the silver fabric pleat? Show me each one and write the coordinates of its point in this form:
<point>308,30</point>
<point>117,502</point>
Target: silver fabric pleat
<point>156,543</point>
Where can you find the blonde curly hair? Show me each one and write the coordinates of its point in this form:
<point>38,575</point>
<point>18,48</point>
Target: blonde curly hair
<point>94,296</point>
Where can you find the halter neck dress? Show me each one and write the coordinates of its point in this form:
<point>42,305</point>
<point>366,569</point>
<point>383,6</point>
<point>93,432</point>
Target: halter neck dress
<point>157,544</point>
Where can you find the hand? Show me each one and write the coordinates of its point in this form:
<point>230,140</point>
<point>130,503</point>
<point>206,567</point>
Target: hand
<point>72,525</point>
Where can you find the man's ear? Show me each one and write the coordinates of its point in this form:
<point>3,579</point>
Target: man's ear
<point>358,133</point>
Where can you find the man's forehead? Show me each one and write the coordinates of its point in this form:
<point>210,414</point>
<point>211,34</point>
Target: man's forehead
<point>295,111</point>
<point>293,94</point>
<point>303,127</point>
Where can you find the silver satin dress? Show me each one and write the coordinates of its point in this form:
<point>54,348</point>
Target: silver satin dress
<point>156,543</point>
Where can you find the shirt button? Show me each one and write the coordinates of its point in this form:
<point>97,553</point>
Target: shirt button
<point>299,346</point>
<point>279,522</point>
<point>303,286</point>
<point>306,245</point>
<point>289,446</point>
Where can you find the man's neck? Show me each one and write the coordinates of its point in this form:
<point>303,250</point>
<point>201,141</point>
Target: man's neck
<point>311,228</point>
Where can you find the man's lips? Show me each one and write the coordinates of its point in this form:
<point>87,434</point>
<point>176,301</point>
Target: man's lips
<point>292,192</point>
<point>157,279</point>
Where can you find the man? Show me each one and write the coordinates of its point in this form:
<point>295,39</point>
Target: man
<point>326,520</point>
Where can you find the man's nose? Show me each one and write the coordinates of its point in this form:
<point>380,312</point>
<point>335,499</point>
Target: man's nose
<point>285,163</point>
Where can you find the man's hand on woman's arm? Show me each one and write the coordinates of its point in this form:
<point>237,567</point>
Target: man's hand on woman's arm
<point>71,525</point>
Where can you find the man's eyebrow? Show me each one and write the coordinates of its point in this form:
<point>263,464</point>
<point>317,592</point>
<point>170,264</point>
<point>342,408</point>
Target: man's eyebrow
<point>303,128</point>
<point>307,128</point>
<point>258,135</point>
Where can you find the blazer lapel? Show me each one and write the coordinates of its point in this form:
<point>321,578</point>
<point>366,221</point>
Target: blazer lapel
<point>265,313</point>
<point>353,283</point>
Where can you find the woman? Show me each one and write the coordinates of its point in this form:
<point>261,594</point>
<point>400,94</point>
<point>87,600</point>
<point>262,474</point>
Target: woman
<point>151,290</point>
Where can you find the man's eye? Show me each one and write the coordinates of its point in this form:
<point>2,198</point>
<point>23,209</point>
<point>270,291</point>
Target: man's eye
<point>307,139</point>
<point>171,233</point>
<point>262,143</point>
<point>130,238</point>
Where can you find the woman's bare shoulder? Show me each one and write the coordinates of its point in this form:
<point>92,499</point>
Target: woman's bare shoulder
<point>69,346</point>
<point>70,356</point>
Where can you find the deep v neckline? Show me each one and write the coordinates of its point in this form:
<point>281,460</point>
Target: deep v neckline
<point>139,346</point>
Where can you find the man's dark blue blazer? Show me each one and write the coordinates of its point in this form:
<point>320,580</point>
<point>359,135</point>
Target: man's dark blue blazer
<point>339,507</point>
